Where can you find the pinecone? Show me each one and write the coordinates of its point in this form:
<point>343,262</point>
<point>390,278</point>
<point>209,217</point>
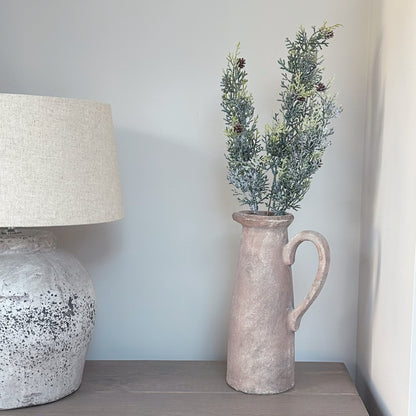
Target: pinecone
<point>238,128</point>
<point>320,87</point>
<point>329,34</point>
<point>241,63</point>
<point>300,98</point>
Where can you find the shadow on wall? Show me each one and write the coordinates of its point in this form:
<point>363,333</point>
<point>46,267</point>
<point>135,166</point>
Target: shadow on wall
<point>370,239</point>
<point>167,269</point>
<point>92,244</point>
<point>369,399</point>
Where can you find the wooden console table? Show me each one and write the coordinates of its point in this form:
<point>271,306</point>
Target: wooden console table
<point>198,388</point>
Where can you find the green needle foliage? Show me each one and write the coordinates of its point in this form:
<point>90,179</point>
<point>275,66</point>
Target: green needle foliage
<point>278,169</point>
<point>246,166</point>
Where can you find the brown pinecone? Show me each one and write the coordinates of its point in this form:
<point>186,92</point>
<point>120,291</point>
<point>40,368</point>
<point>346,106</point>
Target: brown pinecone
<point>320,87</point>
<point>238,128</point>
<point>241,63</point>
<point>329,34</point>
<point>300,98</point>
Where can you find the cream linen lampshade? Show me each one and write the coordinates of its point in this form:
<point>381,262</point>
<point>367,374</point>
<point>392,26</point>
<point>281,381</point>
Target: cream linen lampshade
<point>58,166</point>
<point>58,162</point>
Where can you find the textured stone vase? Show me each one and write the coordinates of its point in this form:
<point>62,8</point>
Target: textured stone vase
<point>261,341</point>
<point>47,309</point>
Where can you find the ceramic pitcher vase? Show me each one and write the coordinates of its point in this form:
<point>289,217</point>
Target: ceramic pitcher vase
<point>261,341</point>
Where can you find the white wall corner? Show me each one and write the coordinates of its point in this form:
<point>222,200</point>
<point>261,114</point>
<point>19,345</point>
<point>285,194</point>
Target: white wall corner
<point>412,382</point>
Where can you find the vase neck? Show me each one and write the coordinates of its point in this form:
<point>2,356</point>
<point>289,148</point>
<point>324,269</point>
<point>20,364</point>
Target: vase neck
<point>26,241</point>
<point>248,219</point>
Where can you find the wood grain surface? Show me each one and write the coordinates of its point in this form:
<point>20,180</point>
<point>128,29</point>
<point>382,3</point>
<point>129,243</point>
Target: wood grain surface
<point>198,388</point>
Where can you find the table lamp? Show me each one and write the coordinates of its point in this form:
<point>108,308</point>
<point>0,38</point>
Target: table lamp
<point>58,166</point>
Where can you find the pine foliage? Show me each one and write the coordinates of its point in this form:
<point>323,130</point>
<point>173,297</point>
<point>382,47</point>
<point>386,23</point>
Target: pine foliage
<point>278,169</point>
<point>246,166</point>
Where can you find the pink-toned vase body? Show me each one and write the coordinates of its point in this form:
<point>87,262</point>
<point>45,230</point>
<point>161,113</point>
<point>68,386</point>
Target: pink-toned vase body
<point>261,341</point>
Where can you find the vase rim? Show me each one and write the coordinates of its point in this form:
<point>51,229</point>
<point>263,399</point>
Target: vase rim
<point>262,219</point>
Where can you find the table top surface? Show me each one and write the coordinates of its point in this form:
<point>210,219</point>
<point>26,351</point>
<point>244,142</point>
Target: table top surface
<point>198,388</point>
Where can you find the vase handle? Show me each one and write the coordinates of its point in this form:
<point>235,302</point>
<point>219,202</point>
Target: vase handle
<point>289,252</point>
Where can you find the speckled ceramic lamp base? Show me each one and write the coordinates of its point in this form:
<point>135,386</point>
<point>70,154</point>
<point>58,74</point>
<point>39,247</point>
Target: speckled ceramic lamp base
<point>47,310</point>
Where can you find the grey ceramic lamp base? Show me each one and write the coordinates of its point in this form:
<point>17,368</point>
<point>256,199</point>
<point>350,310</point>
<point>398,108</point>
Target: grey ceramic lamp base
<point>47,310</point>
